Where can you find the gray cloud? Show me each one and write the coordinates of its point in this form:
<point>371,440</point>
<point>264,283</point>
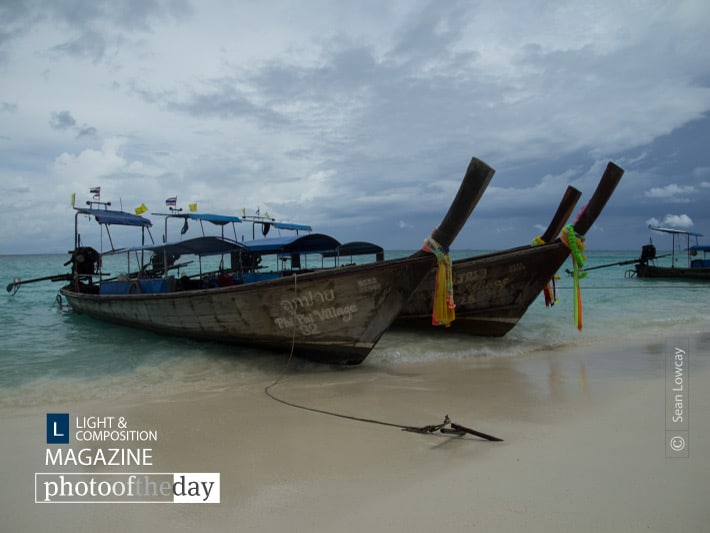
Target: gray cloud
<point>361,119</point>
<point>62,120</point>
<point>90,45</point>
<point>87,132</point>
<point>671,191</point>
<point>96,25</point>
<point>224,100</point>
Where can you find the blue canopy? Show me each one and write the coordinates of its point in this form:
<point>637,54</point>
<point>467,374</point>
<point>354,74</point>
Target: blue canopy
<point>121,218</point>
<point>209,217</point>
<point>267,222</point>
<point>288,225</point>
<point>313,242</point>
<point>226,219</point>
<point>676,231</point>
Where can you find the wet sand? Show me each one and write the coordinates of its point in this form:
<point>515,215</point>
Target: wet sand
<point>584,449</point>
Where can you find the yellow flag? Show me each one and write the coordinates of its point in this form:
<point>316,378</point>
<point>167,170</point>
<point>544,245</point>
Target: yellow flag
<point>141,209</point>
<point>244,211</point>
<point>73,199</point>
<point>266,214</point>
<point>193,207</point>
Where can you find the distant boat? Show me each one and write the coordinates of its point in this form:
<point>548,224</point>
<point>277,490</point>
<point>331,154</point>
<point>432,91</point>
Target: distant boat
<point>694,267</point>
<point>493,291</point>
<point>330,315</point>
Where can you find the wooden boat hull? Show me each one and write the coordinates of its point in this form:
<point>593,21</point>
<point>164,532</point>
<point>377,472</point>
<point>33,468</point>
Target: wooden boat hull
<point>330,316</point>
<point>491,292</point>
<point>650,271</point>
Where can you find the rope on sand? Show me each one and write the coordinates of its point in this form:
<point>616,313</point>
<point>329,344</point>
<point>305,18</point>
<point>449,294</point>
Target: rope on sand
<point>447,427</point>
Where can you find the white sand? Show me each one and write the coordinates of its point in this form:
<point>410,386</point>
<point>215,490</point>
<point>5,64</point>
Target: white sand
<point>584,450</point>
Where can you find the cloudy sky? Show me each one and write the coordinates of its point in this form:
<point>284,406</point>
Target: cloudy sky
<point>358,117</point>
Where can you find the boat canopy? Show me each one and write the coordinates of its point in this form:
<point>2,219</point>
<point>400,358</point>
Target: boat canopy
<point>120,218</point>
<point>705,248</point>
<point>289,225</point>
<point>220,220</point>
<point>228,219</point>
<point>200,246</point>
<point>313,242</point>
<point>356,248</point>
<point>676,231</point>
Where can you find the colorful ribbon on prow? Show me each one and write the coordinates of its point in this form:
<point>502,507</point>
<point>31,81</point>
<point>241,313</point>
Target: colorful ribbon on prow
<point>549,291</point>
<point>575,243</point>
<point>444,311</point>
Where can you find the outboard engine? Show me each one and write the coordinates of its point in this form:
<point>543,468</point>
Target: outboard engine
<point>648,251</point>
<point>85,260</point>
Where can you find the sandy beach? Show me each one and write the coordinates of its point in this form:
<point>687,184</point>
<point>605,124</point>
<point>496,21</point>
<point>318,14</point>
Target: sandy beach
<point>584,448</point>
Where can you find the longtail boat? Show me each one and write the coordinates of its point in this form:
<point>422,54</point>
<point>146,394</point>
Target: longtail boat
<point>695,267</point>
<point>330,315</point>
<point>493,291</point>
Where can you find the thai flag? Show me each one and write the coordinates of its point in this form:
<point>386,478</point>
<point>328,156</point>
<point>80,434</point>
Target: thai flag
<point>171,202</point>
<point>96,191</point>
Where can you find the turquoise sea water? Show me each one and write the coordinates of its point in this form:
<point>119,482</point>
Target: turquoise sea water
<point>48,354</point>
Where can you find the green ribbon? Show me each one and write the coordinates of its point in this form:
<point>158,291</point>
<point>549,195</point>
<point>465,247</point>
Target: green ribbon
<point>576,245</point>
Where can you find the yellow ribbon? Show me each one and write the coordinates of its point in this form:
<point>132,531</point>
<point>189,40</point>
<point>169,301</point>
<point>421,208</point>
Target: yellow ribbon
<point>443,313</point>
